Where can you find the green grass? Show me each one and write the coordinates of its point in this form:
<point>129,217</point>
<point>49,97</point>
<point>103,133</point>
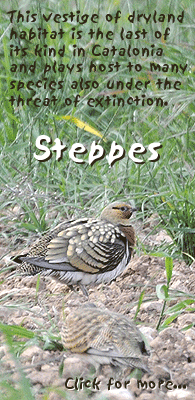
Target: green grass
<point>165,186</point>
<point>11,391</point>
<point>17,339</point>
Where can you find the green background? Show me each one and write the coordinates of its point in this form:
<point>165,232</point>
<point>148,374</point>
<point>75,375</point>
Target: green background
<point>48,191</point>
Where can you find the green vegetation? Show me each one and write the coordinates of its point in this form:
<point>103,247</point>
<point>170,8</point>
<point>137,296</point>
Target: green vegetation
<point>165,186</point>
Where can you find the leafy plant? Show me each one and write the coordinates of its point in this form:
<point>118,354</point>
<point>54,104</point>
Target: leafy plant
<point>164,293</point>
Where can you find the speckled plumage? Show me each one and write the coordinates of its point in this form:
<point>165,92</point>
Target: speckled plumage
<point>106,337</point>
<point>86,250</point>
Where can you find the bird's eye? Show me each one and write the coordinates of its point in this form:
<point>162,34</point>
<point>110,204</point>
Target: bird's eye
<point>124,208</point>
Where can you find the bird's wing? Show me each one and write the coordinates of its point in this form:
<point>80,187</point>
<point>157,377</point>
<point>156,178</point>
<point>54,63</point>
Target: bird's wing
<point>39,247</point>
<point>102,335</point>
<point>91,330</point>
<point>120,341</point>
<point>89,245</point>
<point>92,247</point>
<point>81,328</point>
<point>105,335</point>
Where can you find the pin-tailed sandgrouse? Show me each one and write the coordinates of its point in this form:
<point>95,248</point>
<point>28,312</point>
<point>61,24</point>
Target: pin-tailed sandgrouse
<point>105,337</point>
<point>84,251</point>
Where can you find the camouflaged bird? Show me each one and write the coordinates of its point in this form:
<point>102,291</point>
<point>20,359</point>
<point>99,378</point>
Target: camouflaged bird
<point>84,251</point>
<point>105,337</point>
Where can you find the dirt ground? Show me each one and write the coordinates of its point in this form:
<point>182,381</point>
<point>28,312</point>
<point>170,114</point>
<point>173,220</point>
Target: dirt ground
<point>172,350</point>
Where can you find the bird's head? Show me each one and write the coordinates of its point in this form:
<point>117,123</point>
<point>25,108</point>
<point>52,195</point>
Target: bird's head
<point>118,213</point>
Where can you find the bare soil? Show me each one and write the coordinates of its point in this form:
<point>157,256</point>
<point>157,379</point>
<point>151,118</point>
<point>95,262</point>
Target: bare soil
<point>172,358</point>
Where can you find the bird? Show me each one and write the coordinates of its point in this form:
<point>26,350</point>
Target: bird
<point>84,251</point>
<point>104,337</point>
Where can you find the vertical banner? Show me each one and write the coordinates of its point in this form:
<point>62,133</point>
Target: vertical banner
<point>97,146</point>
